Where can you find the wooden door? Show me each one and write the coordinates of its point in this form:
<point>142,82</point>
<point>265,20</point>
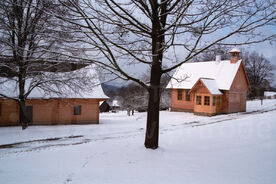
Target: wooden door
<point>218,104</point>
<point>29,113</point>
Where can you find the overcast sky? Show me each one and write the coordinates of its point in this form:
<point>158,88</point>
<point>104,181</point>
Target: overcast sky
<point>267,49</point>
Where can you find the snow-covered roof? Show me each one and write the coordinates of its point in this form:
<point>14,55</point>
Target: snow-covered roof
<point>235,49</point>
<point>9,87</point>
<point>269,93</point>
<point>188,74</point>
<point>211,85</point>
<point>115,103</point>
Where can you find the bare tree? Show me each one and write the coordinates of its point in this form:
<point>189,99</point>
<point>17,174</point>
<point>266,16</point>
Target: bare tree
<point>31,40</point>
<point>163,34</point>
<point>259,71</point>
<point>210,53</point>
<point>133,97</point>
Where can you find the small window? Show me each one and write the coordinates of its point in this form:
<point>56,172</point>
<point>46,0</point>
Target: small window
<point>77,110</point>
<point>206,100</point>
<point>214,100</point>
<point>188,98</point>
<point>0,109</point>
<point>179,94</point>
<point>198,100</point>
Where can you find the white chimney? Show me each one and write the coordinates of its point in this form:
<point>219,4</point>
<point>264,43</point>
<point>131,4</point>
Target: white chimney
<point>218,58</point>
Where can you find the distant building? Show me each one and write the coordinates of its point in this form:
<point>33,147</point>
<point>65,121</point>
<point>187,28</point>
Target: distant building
<point>104,106</point>
<point>270,94</point>
<point>210,88</point>
<point>49,109</point>
<point>109,105</point>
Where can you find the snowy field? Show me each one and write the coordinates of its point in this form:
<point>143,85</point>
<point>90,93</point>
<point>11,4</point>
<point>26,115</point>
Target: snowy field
<point>237,148</point>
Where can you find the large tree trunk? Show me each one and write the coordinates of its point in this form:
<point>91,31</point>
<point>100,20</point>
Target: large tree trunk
<point>23,119</point>
<point>152,132</point>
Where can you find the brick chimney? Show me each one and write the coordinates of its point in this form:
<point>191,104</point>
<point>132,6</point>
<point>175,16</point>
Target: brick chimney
<point>235,55</point>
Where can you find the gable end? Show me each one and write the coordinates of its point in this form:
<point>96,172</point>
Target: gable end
<point>240,81</point>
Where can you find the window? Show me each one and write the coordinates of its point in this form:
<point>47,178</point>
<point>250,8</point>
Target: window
<point>188,98</point>
<point>77,110</point>
<point>179,94</point>
<point>0,109</point>
<point>214,100</point>
<point>198,100</point>
<point>206,100</point>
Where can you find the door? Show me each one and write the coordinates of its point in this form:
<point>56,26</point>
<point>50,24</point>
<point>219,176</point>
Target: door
<point>218,104</point>
<point>29,113</point>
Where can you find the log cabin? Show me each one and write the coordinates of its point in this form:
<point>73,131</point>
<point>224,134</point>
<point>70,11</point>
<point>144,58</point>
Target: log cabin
<point>43,108</point>
<point>211,87</point>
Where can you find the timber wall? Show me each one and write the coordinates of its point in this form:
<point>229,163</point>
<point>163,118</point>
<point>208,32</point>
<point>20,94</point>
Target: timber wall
<point>181,105</point>
<point>238,92</point>
<point>9,113</point>
<point>204,109</point>
<point>52,111</point>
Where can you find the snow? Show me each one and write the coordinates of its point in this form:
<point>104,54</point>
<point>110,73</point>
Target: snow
<point>9,87</point>
<point>188,74</point>
<point>211,85</point>
<point>233,148</point>
<point>235,49</point>
<point>115,103</point>
<point>269,93</point>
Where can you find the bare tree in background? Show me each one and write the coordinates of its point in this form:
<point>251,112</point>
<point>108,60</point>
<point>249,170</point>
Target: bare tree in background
<point>259,71</point>
<point>210,53</point>
<point>31,40</point>
<point>134,97</point>
<point>163,34</point>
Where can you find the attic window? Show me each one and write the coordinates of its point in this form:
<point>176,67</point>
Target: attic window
<point>179,94</point>
<point>188,98</point>
<point>77,110</point>
<point>198,100</point>
<point>206,100</point>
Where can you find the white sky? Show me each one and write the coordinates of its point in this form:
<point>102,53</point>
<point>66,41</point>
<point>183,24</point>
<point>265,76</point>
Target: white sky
<point>267,49</point>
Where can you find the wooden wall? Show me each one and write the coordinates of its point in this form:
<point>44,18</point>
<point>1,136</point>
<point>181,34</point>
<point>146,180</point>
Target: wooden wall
<point>225,102</point>
<point>201,90</point>
<point>238,92</point>
<point>232,101</point>
<point>53,111</point>
<point>181,105</point>
<point>9,113</point>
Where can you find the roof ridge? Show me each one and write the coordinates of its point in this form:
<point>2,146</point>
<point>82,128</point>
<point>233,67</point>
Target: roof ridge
<point>206,61</point>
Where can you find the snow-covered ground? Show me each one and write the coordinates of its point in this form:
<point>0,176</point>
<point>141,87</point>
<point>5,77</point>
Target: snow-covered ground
<point>234,148</point>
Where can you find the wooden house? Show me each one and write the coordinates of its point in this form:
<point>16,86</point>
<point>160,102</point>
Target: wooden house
<point>211,87</point>
<point>69,107</point>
